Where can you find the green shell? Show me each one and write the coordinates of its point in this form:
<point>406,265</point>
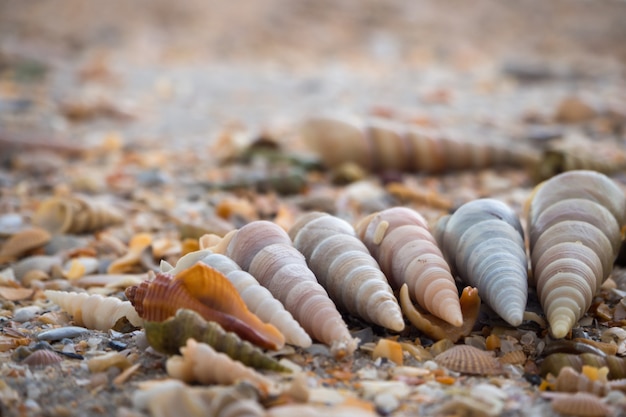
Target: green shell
<point>169,335</point>
<point>554,362</point>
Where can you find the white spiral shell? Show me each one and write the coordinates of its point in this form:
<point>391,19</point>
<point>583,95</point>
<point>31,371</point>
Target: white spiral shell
<point>483,241</point>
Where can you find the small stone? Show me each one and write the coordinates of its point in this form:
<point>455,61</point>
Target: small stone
<point>68,332</point>
<point>386,403</point>
<point>24,314</point>
<point>574,110</point>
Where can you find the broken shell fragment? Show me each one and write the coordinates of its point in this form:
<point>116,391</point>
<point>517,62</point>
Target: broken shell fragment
<point>75,215</point>
<point>22,242</point>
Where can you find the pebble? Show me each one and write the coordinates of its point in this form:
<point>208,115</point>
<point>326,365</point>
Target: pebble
<point>24,314</point>
<point>386,403</point>
<point>68,332</point>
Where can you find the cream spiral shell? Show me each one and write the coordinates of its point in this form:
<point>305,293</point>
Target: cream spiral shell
<point>574,221</point>
<point>399,239</point>
<point>483,241</point>
<point>345,268</point>
<point>265,250</point>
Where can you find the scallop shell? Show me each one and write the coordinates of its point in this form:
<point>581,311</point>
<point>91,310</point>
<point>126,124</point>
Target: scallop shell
<point>345,268</point>
<point>384,145</point>
<point>483,241</point>
<point>75,214</point>
<point>42,357</point>
<point>201,363</point>
<point>22,242</point>
<point>469,360</point>
<point>94,311</point>
<point>580,404</point>
<point>169,335</point>
<point>575,222</point>
<point>399,239</point>
<point>264,250</point>
<point>514,357</point>
<point>207,291</point>
<point>258,299</point>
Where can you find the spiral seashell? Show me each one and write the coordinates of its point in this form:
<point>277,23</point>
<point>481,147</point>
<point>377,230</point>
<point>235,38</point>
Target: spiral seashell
<point>75,215</point>
<point>384,145</point>
<point>258,299</point>
<point>345,268</point>
<point>201,363</point>
<point>264,250</point>
<point>94,311</point>
<point>169,335</point>
<point>483,242</point>
<point>467,359</point>
<point>207,291</point>
<point>552,364</point>
<point>399,239</point>
<point>436,328</point>
<point>581,404</point>
<point>574,222</point>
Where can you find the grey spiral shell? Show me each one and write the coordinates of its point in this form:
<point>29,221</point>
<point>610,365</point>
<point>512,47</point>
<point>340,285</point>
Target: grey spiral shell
<point>483,241</point>
<point>574,222</point>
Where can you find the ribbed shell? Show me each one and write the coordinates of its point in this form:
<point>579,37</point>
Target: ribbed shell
<point>399,239</point>
<point>467,359</point>
<point>345,268</point>
<point>574,222</point>
<point>483,241</point>
<point>258,299</point>
<point>206,291</point>
<point>75,215</point>
<point>264,250</point>
<point>385,145</point>
<point>580,404</point>
<point>555,362</point>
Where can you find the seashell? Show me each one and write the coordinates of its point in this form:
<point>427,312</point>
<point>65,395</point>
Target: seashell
<point>345,268</point>
<point>555,362</point>
<point>389,349</point>
<point>264,250</point>
<point>579,404</point>
<point>207,291</point>
<point>320,410</point>
<point>23,242</point>
<point>469,360</point>
<point>483,241</point>
<point>108,360</point>
<point>94,311</point>
<point>75,215</point>
<point>569,380</point>
<point>258,299</point>
<point>201,363</point>
<point>384,145</point>
<point>574,222</point>
<point>436,328</point>
<point>169,335</point>
<point>42,357</point>
<point>399,239</point>
<point>43,263</point>
<point>514,357</point>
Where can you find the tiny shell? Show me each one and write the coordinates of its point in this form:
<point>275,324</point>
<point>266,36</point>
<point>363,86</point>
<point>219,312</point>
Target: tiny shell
<point>42,357</point>
<point>515,357</point>
<point>389,349</point>
<point>75,214</point>
<point>22,242</point>
<point>580,404</point>
<point>571,381</point>
<point>108,360</point>
<point>469,360</point>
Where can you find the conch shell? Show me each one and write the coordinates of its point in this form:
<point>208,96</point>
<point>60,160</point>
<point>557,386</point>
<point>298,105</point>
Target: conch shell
<point>345,268</point>
<point>399,239</point>
<point>75,215</point>
<point>258,299</point>
<point>575,221</point>
<point>483,241</point>
<point>206,291</point>
<point>264,249</point>
<point>380,145</point>
<point>94,311</point>
<point>170,335</point>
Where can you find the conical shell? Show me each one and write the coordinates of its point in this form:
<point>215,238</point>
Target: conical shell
<point>264,250</point>
<point>75,215</point>
<point>94,311</point>
<point>385,145</point>
<point>483,241</point>
<point>469,360</point>
<point>201,363</point>
<point>399,239</point>
<point>575,221</point>
<point>169,335</point>
<point>206,291</point>
<point>258,299</point>
<point>345,268</point>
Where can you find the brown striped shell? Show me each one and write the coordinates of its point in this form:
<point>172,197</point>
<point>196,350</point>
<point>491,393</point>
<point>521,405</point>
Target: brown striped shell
<point>345,268</point>
<point>399,239</point>
<point>574,222</point>
<point>42,357</point>
<point>467,359</point>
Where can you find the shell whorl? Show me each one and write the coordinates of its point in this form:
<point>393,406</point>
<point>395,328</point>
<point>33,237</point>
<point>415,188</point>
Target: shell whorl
<point>399,239</point>
<point>484,243</point>
<point>266,251</point>
<point>344,266</point>
<point>574,222</point>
